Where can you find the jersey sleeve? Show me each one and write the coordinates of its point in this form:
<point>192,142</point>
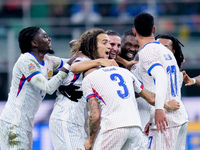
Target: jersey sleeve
<point>78,59</point>
<point>29,68</point>
<point>87,88</point>
<point>138,85</point>
<point>56,61</point>
<point>149,58</point>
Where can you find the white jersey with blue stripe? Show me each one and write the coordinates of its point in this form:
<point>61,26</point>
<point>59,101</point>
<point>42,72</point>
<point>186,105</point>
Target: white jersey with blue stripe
<point>114,87</point>
<point>64,108</point>
<point>155,54</point>
<point>24,98</point>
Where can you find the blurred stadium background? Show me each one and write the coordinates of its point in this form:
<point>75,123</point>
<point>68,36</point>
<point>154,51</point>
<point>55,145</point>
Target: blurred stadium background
<point>64,20</point>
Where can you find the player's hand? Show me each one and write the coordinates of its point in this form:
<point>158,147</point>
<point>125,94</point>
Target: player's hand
<point>160,120</point>
<point>130,64</point>
<point>188,81</point>
<point>74,56</point>
<point>172,105</point>
<point>146,129</point>
<point>70,92</point>
<point>88,145</point>
<point>107,62</point>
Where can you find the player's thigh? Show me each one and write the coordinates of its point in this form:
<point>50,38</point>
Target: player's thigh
<point>111,140</point>
<point>181,138</point>
<point>13,137</point>
<point>66,136</point>
<point>169,139</point>
<point>137,140</point>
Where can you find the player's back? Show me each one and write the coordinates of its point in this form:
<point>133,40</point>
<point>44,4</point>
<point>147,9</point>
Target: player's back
<point>155,54</point>
<point>114,88</point>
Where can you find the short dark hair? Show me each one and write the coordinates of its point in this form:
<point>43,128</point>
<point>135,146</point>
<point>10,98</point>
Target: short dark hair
<point>112,33</point>
<point>144,23</point>
<point>25,37</point>
<point>127,33</point>
<point>176,45</point>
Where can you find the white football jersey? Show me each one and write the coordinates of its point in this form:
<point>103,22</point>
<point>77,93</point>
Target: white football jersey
<point>155,54</point>
<point>24,98</point>
<point>64,108</point>
<point>114,87</point>
<point>143,106</point>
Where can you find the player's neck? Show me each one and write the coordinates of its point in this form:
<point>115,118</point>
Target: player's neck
<point>38,55</point>
<point>144,40</point>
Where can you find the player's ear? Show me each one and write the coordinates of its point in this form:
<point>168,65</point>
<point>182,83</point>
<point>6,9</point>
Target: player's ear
<point>134,31</point>
<point>154,29</point>
<point>34,43</point>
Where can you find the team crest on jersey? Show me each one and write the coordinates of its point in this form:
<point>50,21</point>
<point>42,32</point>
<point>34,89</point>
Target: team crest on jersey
<point>32,68</point>
<point>133,68</point>
<point>49,73</point>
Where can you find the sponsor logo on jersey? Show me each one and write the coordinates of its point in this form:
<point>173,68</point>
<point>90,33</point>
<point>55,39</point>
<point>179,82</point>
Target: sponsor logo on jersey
<point>32,68</point>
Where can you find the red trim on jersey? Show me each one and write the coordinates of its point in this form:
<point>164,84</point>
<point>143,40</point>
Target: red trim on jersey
<point>90,96</point>
<point>98,96</point>
<point>76,76</point>
<point>21,83</point>
<point>142,86</point>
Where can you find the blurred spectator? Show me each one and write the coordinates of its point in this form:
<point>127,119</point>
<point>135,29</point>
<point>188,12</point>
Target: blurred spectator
<point>59,8</point>
<point>184,32</point>
<point>11,8</point>
<point>104,9</point>
<point>85,11</point>
<point>125,9</point>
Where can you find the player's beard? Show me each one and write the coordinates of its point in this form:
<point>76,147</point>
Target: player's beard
<point>50,51</point>
<point>46,51</point>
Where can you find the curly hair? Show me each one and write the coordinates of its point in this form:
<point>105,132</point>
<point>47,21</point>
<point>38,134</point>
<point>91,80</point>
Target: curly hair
<point>87,43</point>
<point>176,45</point>
<point>25,37</point>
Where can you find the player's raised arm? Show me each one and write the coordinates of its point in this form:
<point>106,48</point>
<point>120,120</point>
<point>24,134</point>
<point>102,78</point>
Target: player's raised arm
<point>82,66</point>
<point>50,86</point>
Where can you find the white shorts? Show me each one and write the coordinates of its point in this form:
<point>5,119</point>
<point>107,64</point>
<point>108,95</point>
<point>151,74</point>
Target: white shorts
<point>172,139</point>
<point>128,138</point>
<point>14,137</point>
<point>66,136</point>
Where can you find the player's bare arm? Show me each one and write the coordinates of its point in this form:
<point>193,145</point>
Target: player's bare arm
<point>94,121</point>
<point>150,98</point>
<point>82,66</point>
<point>127,64</point>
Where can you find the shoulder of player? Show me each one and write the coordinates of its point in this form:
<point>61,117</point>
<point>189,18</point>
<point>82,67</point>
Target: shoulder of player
<point>27,59</point>
<point>82,58</point>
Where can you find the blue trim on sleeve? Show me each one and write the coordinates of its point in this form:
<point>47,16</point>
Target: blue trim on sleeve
<point>33,74</point>
<point>149,70</point>
<point>61,64</point>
